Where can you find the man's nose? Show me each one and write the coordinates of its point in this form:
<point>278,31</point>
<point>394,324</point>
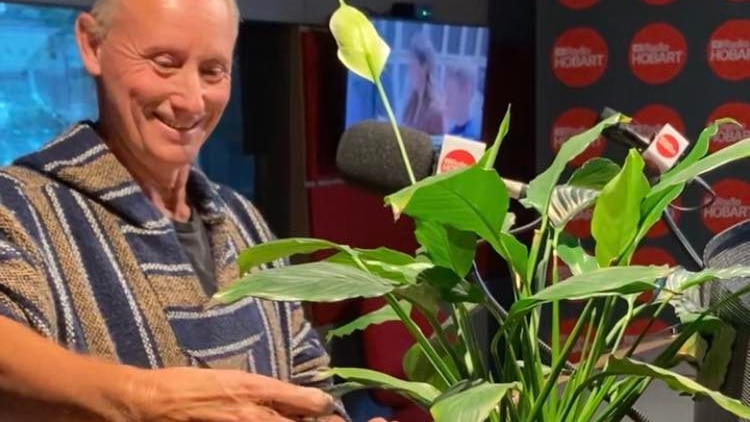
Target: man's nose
<point>188,96</point>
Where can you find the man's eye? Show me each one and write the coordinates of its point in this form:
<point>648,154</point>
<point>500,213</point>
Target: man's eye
<point>214,73</point>
<point>164,62</point>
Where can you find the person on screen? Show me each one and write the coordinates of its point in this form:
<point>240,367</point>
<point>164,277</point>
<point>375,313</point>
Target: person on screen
<point>460,87</point>
<point>112,244</point>
<point>423,110</point>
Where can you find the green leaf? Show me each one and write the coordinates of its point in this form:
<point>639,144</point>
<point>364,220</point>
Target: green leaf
<point>610,281</point>
<point>686,284</point>
<point>569,201</point>
<point>446,246</point>
<point>682,280</point>
<point>594,173</point>
<point>421,393</point>
<point>418,368</point>
<point>713,369</point>
<point>340,389</point>
<point>515,253</point>
<point>360,48</point>
<point>488,158</point>
<point>676,382</point>
<point>379,316</point>
<point>652,209</point>
<point>314,282</point>
<point>575,257</point>
<point>424,296</point>
<point>700,148</point>
<point>617,212</point>
<point>731,153</point>
<point>471,405</point>
<point>470,199</point>
<point>275,249</point>
<point>383,262</point>
<point>540,189</point>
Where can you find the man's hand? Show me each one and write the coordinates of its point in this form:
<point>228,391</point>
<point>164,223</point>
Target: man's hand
<point>336,418</point>
<point>191,394</point>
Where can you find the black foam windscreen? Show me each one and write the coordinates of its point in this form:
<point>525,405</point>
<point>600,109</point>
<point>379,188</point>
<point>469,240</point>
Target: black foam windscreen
<point>369,157</point>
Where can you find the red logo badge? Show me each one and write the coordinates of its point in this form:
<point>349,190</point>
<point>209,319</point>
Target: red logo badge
<point>732,205</point>
<point>457,159</point>
<point>730,133</point>
<point>658,53</point>
<point>667,146</point>
<point>579,57</point>
<point>729,50</point>
<point>572,122</point>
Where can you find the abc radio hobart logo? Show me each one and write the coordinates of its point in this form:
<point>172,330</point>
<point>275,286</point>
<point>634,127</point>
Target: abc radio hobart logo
<point>658,53</point>
<point>729,50</point>
<point>579,57</point>
<point>732,205</point>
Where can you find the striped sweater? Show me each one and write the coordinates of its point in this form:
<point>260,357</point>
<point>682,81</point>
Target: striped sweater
<point>88,261</point>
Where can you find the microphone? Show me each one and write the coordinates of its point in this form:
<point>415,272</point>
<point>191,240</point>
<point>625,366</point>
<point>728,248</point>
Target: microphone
<point>368,156</point>
<point>662,152</point>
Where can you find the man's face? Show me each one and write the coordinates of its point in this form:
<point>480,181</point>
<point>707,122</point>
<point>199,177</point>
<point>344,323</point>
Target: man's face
<point>165,77</point>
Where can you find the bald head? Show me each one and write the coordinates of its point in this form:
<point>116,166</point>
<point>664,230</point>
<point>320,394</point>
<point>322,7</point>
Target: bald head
<point>105,10</point>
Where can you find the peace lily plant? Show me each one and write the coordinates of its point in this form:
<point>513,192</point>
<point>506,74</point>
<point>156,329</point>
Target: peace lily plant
<point>525,379</point>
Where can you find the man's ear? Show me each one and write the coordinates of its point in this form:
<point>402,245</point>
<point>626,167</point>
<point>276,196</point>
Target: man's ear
<point>89,41</point>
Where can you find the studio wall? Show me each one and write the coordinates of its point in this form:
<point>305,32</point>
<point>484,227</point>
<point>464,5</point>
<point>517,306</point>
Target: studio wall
<point>686,63</point>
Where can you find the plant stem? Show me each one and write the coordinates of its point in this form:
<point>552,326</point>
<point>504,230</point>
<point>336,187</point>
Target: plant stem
<point>558,365</point>
<point>646,328</point>
<point>555,335</point>
<point>440,367</point>
<point>579,389</point>
<point>599,338</point>
<point>528,343</point>
<point>577,378</point>
<point>445,344</point>
<point>392,118</point>
<point>480,366</point>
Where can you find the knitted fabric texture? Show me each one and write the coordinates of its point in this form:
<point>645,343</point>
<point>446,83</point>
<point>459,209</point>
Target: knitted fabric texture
<point>87,261</point>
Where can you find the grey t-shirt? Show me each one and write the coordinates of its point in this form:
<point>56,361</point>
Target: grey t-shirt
<point>193,237</point>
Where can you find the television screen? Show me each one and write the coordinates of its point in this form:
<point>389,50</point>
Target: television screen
<point>43,86</point>
<point>434,78</point>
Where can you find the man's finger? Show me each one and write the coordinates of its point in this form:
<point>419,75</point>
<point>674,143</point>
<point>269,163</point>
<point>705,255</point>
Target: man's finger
<point>287,398</point>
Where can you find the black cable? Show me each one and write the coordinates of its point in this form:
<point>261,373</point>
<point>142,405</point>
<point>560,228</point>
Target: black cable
<point>525,228</point>
<point>709,190</point>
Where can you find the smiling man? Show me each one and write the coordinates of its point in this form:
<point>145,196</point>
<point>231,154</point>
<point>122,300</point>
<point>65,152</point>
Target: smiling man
<point>111,245</point>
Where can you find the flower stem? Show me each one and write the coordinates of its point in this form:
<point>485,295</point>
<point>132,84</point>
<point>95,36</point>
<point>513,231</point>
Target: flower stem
<point>392,119</point>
